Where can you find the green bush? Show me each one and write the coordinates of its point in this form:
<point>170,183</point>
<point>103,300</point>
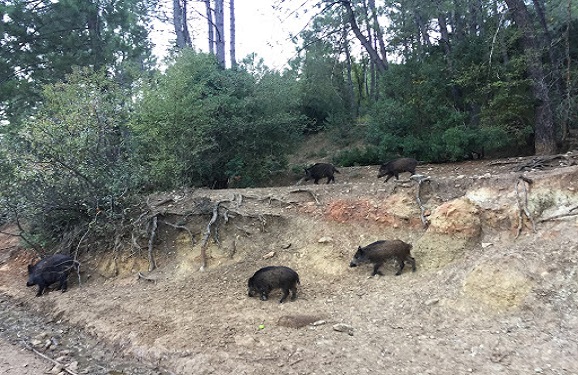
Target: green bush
<point>200,125</point>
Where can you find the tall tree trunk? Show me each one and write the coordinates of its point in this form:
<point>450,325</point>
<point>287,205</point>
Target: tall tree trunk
<point>219,31</point>
<point>210,26</point>
<point>378,31</point>
<point>372,76</point>
<point>94,30</point>
<point>232,49</point>
<point>180,24</point>
<point>545,139</point>
<point>380,64</point>
<point>422,29</point>
<point>350,89</point>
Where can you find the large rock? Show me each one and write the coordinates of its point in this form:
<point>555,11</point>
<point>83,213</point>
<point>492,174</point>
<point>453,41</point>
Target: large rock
<point>500,284</point>
<point>457,218</point>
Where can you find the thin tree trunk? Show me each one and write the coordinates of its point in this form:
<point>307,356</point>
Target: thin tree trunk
<point>350,88</point>
<point>422,29</point>
<point>180,24</point>
<point>210,26</point>
<point>545,141</point>
<point>378,31</point>
<point>219,31</point>
<point>232,49</point>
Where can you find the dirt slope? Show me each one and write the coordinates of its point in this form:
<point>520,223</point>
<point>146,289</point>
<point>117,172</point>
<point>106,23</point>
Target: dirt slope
<point>490,295</point>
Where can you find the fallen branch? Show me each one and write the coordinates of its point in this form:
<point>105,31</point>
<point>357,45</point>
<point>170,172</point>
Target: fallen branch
<point>569,213</point>
<point>313,195</point>
<point>54,362</point>
<point>523,206</point>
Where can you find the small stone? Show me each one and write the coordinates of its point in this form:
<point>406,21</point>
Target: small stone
<point>325,240</point>
<point>486,244</point>
<point>269,255</point>
<point>318,323</point>
<point>342,327</point>
<point>56,369</point>
<point>432,301</point>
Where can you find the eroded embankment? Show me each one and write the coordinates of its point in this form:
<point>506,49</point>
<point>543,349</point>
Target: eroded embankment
<point>489,295</point>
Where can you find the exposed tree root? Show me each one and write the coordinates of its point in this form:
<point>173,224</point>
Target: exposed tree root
<point>140,275</point>
<point>205,239</point>
<point>153,233</point>
<point>523,204</point>
<point>551,161</point>
<point>421,179</point>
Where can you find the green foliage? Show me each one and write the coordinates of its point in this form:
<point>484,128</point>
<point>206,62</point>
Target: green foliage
<point>322,89</point>
<point>43,40</point>
<point>358,156</point>
<point>67,165</point>
<point>201,125</point>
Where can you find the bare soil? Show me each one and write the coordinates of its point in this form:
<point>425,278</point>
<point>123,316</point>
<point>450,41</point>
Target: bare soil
<point>489,296</point>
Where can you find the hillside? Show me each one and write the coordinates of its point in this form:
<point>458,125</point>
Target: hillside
<point>495,289</point>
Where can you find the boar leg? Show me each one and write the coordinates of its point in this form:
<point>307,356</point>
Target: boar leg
<point>412,261</point>
<point>285,294</point>
<point>401,265</point>
<point>40,290</point>
<point>63,283</point>
<point>293,293</point>
<point>376,269</point>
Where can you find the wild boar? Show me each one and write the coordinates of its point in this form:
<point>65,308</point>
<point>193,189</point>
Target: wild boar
<point>396,166</point>
<point>50,270</point>
<point>319,170</point>
<point>273,277</point>
<point>380,251</point>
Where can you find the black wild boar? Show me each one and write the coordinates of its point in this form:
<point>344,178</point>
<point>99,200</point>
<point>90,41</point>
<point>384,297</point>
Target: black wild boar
<point>396,166</point>
<point>381,251</point>
<point>319,170</point>
<point>50,270</point>
<point>273,277</point>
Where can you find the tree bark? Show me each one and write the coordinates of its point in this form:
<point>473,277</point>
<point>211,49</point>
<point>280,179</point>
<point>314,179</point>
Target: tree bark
<point>180,24</point>
<point>380,64</point>
<point>210,26</point>
<point>378,31</point>
<point>545,139</point>
<point>219,31</point>
<point>232,49</point>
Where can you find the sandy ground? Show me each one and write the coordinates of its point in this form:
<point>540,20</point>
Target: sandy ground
<point>504,305</point>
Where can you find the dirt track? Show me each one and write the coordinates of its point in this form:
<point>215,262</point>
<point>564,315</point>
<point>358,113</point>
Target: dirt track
<point>505,305</point>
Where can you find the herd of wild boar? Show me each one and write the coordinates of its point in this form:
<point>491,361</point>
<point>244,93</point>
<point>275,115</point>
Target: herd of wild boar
<point>56,268</point>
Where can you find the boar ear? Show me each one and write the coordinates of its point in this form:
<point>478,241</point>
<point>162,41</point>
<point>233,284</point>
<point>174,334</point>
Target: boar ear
<point>360,249</point>
<point>30,267</point>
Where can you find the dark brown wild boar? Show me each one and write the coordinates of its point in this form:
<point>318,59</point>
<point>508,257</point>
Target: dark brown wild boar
<point>397,166</point>
<point>380,251</point>
<point>319,170</point>
<point>50,270</point>
<point>273,277</point>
